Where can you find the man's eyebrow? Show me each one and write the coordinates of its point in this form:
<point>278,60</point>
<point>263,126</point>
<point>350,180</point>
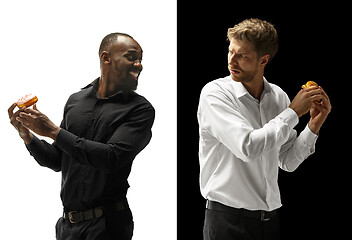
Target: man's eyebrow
<point>239,52</point>
<point>133,51</point>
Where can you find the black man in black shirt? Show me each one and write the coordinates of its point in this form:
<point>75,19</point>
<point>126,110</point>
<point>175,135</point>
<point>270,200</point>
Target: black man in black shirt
<point>105,126</point>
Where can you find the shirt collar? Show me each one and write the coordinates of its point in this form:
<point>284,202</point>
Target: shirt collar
<point>267,87</point>
<point>241,91</point>
<point>95,85</point>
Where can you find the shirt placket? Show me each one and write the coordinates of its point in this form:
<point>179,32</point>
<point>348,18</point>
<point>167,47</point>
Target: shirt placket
<point>264,158</point>
<point>90,136</point>
<point>95,117</point>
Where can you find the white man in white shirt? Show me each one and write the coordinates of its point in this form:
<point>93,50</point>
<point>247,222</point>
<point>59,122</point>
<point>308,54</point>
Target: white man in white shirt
<point>246,127</point>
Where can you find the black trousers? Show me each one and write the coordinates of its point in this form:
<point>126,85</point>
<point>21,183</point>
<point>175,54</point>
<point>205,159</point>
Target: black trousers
<point>220,225</point>
<point>116,225</point>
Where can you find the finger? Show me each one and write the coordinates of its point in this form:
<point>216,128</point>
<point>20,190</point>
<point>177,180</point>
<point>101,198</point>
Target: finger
<point>324,93</point>
<point>13,119</point>
<point>25,118</point>
<point>322,109</point>
<point>10,110</point>
<point>310,88</point>
<point>23,121</point>
<point>325,103</point>
<point>35,107</point>
<point>318,107</point>
<point>315,91</point>
<point>316,97</point>
<point>20,119</point>
<point>31,111</point>
<point>26,115</point>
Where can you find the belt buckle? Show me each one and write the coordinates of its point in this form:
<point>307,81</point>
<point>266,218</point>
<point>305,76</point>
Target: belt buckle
<point>262,216</point>
<point>70,216</point>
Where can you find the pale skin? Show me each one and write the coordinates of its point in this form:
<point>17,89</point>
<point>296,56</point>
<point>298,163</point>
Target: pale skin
<point>247,67</point>
<point>120,68</point>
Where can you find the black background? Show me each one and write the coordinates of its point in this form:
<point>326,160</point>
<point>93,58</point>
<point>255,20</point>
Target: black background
<point>314,45</point>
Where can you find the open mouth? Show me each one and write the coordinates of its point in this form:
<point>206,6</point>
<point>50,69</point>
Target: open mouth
<point>135,74</point>
<point>234,71</point>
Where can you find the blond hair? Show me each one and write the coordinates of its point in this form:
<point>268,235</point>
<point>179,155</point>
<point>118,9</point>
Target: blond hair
<point>261,34</point>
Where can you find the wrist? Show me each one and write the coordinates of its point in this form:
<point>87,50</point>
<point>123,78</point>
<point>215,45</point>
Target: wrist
<point>27,139</point>
<point>296,111</point>
<point>313,127</point>
<point>54,133</point>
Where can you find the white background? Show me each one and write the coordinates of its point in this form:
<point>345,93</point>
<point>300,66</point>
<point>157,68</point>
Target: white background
<point>50,48</point>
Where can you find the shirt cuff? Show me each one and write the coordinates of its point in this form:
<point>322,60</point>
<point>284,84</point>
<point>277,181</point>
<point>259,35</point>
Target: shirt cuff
<point>33,144</point>
<point>289,117</point>
<point>309,137</point>
<point>65,141</point>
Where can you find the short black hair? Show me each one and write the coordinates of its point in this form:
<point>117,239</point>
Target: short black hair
<point>109,39</point>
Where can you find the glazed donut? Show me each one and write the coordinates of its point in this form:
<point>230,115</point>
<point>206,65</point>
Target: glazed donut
<point>310,84</point>
<point>26,101</point>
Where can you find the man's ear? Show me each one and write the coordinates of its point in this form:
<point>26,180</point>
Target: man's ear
<point>104,57</point>
<point>265,59</point>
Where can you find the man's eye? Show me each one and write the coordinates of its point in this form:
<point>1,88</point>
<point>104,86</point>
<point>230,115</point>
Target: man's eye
<point>131,58</point>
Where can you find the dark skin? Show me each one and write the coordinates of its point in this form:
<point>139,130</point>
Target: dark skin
<point>120,67</point>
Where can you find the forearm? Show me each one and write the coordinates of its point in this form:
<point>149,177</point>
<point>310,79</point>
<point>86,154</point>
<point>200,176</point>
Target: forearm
<point>242,140</point>
<point>45,154</point>
<point>273,134</point>
<point>297,149</point>
<point>27,138</point>
<point>105,156</point>
<point>315,127</point>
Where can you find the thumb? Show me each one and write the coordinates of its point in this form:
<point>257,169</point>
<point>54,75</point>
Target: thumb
<point>35,107</point>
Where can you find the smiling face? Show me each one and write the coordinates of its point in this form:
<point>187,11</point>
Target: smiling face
<point>122,64</point>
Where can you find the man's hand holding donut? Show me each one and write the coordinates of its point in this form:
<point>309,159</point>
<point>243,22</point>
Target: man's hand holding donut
<point>32,119</point>
<point>315,100</point>
<point>319,112</point>
<point>24,133</point>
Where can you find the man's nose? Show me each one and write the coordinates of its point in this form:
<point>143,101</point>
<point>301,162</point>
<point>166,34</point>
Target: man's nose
<point>233,58</point>
<point>138,64</point>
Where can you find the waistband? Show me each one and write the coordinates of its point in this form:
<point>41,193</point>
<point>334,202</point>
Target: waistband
<point>257,214</point>
<point>80,216</point>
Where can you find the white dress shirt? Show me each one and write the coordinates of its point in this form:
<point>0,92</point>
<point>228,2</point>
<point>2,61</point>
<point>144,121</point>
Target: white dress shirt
<point>243,142</point>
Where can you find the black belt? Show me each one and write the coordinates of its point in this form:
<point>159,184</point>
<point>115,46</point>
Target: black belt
<point>80,216</point>
<point>258,214</point>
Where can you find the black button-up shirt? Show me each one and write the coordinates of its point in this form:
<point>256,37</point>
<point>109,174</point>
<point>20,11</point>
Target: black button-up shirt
<point>96,146</point>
